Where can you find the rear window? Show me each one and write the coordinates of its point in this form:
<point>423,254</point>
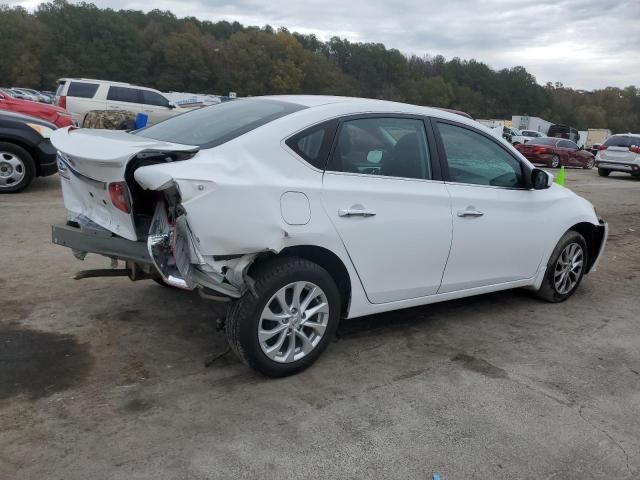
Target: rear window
<point>82,89</point>
<point>542,141</point>
<point>212,126</point>
<point>622,141</point>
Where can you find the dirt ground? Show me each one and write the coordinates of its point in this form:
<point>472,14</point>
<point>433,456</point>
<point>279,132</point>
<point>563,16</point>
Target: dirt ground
<point>106,379</point>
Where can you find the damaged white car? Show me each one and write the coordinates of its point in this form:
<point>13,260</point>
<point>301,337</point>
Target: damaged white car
<point>304,210</point>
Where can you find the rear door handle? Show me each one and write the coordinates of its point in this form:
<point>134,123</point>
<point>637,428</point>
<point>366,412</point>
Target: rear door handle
<point>470,212</point>
<point>355,212</point>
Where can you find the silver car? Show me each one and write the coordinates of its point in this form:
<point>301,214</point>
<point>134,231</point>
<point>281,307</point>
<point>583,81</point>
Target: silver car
<point>619,153</point>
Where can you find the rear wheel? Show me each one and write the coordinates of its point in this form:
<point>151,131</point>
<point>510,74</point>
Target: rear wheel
<point>17,169</point>
<point>565,268</point>
<point>603,172</point>
<point>286,327</point>
<point>555,161</point>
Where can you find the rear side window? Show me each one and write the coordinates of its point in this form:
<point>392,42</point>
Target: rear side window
<point>82,89</point>
<point>313,144</point>
<point>124,94</point>
<point>622,141</point>
<point>212,126</point>
<point>153,98</point>
<point>543,141</point>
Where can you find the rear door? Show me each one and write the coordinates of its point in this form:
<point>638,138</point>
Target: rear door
<point>385,197</point>
<point>498,223</point>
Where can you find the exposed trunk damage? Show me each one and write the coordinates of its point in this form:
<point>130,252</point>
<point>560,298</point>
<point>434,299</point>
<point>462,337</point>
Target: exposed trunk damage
<point>157,216</point>
<point>174,251</point>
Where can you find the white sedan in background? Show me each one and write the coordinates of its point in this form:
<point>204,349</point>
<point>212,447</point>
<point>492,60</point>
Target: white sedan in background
<point>305,210</point>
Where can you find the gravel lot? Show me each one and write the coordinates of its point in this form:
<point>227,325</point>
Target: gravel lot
<point>104,378</point>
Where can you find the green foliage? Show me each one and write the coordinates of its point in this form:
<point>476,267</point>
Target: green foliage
<point>157,49</point>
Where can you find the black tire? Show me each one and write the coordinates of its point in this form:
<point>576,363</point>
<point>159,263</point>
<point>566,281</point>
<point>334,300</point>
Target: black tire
<point>548,290</point>
<point>27,164</point>
<point>555,162</point>
<point>243,318</point>
<point>603,172</point>
<point>589,165</point>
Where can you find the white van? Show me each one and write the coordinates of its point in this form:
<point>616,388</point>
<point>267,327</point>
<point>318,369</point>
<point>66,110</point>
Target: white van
<point>81,95</point>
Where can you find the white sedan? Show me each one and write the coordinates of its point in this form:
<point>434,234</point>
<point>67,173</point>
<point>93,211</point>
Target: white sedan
<point>305,210</point>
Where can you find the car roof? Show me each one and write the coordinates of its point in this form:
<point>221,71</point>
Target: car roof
<point>107,82</point>
<point>366,105</point>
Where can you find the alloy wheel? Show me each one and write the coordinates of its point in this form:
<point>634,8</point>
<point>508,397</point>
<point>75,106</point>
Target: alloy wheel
<point>12,169</point>
<point>568,268</point>
<point>293,322</point>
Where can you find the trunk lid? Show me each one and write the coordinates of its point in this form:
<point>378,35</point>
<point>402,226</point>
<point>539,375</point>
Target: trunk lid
<point>90,160</point>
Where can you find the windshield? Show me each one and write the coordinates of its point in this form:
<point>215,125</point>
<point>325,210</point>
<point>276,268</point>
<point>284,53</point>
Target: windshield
<point>212,126</point>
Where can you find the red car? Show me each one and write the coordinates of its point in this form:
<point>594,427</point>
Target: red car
<point>52,114</point>
<point>556,152</point>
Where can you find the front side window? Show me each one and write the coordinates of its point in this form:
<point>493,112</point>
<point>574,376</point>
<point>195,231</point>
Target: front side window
<point>124,94</point>
<point>390,147</point>
<point>212,126</point>
<point>153,98</point>
<point>475,159</point>
<point>82,89</point>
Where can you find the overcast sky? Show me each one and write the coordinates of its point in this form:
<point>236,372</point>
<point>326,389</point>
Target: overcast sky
<point>584,44</point>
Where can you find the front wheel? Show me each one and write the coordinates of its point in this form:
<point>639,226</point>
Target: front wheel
<point>17,169</point>
<point>589,165</point>
<point>565,268</point>
<point>285,328</point>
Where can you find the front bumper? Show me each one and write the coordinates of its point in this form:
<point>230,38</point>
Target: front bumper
<point>46,157</point>
<point>619,167</point>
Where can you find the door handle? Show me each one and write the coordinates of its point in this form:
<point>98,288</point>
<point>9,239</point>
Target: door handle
<point>355,212</point>
<point>470,212</point>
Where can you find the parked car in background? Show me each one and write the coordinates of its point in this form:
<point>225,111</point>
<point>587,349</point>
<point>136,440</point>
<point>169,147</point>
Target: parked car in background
<point>302,210</point>
<point>508,133</point>
<point>25,151</point>
<point>40,97</point>
<point>619,153</point>
<point>81,95</point>
<point>564,131</point>
<point>17,94</point>
<point>556,152</point>
<point>525,136</point>
<point>26,95</point>
<point>56,115</point>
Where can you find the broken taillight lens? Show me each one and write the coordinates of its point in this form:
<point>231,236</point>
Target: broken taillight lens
<point>119,194</point>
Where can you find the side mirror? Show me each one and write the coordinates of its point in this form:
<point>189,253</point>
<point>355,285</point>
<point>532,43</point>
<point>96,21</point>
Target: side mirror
<point>172,105</point>
<point>540,179</point>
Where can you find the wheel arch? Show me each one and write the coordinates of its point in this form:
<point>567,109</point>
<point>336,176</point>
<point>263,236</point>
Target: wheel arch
<point>324,258</point>
<point>594,236</point>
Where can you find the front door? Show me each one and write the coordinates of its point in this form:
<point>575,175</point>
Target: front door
<point>390,210</point>
<point>498,224</point>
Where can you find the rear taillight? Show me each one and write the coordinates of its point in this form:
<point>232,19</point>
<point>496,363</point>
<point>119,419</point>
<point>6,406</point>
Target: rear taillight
<point>62,102</point>
<point>635,148</point>
<point>540,150</point>
<point>119,194</point>
<point>602,147</point>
